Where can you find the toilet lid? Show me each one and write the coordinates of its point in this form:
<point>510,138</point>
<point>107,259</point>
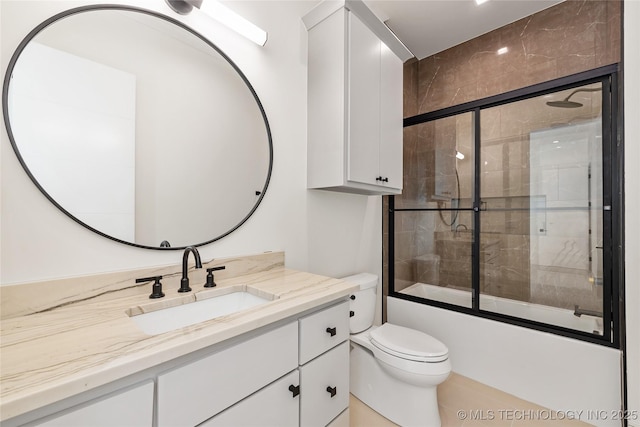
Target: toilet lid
<point>408,343</point>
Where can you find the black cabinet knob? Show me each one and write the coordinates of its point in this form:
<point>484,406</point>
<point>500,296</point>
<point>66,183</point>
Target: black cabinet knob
<point>294,389</point>
<point>352,313</point>
<point>331,331</point>
<point>385,179</point>
<point>332,391</point>
<point>352,297</point>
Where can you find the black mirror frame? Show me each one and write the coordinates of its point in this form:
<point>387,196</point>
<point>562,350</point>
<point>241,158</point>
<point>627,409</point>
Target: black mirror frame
<point>74,11</point>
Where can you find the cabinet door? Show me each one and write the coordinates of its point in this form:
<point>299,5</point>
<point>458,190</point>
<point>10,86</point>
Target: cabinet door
<point>273,406</point>
<point>193,393</point>
<point>364,103</point>
<point>133,407</point>
<point>390,118</point>
<point>324,387</point>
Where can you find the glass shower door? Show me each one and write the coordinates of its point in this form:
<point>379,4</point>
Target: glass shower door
<point>541,217</point>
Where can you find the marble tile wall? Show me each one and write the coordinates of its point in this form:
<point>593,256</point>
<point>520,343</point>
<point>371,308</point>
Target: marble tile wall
<point>568,38</point>
<point>571,37</point>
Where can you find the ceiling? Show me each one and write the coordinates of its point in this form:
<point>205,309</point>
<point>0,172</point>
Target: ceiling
<point>431,26</point>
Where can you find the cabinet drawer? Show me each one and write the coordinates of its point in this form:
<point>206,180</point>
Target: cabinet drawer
<point>193,393</point>
<point>273,406</point>
<point>133,407</point>
<point>323,330</point>
<point>327,372</point>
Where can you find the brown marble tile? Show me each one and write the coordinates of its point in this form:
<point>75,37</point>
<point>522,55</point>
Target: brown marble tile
<point>568,38</point>
<point>410,86</point>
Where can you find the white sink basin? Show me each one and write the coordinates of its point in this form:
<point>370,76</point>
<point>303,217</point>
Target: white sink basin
<point>209,305</point>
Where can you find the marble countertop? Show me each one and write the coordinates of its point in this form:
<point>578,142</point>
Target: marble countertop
<point>53,354</point>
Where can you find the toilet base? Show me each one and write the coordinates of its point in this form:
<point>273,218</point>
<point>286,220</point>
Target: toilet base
<point>400,402</point>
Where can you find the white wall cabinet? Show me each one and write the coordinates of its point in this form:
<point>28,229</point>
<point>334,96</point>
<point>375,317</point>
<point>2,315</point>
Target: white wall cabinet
<point>132,407</point>
<point>354,107</point>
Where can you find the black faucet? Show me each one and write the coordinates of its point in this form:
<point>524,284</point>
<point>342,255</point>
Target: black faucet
<point>184,282</point>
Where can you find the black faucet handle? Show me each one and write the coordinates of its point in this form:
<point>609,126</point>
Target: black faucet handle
<point>156,291</point>
<point>210,282</point>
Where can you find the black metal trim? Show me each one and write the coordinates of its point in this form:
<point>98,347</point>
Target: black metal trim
<point>434,209</point>
<point>619,220</point>
<point>617,202</point>
<point>390,246</point>
<point>475,249</point>
<point>613,295</point>
<point>607,265</point>
<point>77,10</point>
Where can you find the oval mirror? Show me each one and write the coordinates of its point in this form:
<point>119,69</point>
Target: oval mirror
<point>137,127</point>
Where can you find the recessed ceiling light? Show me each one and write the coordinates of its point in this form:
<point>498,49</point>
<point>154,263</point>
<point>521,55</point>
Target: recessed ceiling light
<point>479,2</point>
<point>503,50</point>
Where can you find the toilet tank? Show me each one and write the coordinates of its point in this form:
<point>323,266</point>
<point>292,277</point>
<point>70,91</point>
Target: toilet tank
<point>362,303</point>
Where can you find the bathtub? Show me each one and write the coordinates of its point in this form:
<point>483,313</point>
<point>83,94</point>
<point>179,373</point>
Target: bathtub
<point>536,312</point>
<point>550,370</point>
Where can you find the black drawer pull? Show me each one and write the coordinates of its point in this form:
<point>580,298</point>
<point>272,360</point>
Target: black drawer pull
<point>352,313</point>
<point>331,331</point>
<point>294,389</point>
<point>331,390</point>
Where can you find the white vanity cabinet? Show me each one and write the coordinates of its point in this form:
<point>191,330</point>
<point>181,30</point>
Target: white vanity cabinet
<point>193,393</point>
<point>276,405</point>
<point>324,370</point>
<point>354,104</point>
<point>132,407</point>
<point>324,385</point>
<point>295,373</point>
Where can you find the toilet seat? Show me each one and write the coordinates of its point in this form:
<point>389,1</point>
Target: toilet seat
<point>408,344</point>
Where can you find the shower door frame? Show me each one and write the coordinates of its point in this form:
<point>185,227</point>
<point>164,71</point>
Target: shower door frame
<point>613,220</point>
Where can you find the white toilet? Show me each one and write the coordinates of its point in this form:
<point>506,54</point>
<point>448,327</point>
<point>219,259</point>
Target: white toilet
<point>394,370</point>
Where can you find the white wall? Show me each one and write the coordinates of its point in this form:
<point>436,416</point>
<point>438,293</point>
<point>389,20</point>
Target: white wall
<point>322,232</point>
<point>632,200</point>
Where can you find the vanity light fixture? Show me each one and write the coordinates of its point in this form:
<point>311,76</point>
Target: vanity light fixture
<point>222,14</point>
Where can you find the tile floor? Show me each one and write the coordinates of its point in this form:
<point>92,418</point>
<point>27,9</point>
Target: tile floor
<point>465,402</point>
